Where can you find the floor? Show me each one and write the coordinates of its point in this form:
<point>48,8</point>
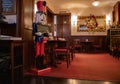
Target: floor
<point>53,80</point>
<point>29,79</point>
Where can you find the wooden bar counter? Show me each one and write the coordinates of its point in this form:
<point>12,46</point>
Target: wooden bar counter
<point>16,50</point>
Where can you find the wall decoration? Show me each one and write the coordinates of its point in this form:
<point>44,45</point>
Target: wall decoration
<point>91,23</point>
<point>8,6</point>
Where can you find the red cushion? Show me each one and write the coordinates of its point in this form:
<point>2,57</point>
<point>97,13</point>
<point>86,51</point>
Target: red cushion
<point>78,45</point>
<point>96,46</point>
<point>119,48</point>
<point>60,50</point>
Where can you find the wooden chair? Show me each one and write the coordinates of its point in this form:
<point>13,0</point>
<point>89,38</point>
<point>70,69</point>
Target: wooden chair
<point>97,45</point>
<point>77,45</point>
<point>62,49</point>
<point>116,50</point>
<point>72,48</point>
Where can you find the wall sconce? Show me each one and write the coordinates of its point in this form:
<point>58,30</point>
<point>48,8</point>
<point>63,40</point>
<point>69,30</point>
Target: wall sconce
<point>74,23</point>
<point>64,22</point>
<point>108,20</point>
<point>74,20</point>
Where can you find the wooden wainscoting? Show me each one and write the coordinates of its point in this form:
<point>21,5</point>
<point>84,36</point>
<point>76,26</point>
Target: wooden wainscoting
<point>94,39</point>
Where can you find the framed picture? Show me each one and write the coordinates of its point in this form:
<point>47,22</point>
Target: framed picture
<point>8,6</point>
<point>91,23</point>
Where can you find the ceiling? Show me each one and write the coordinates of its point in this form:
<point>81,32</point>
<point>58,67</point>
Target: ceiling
<point>75,5</point>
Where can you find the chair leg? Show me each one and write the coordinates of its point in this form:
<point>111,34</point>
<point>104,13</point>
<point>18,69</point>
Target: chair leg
<point>68,60</point>
<point>73,54</point>
<point>67,55</point>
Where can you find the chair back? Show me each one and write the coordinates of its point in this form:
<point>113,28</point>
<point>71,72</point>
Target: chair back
<point>61,44</point>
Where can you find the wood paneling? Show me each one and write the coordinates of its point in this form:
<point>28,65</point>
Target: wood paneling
<point>93,39</point>
<point>50,19</point>
<point>63,25</point>
<point>116,13</point>
<point>29,52</point>
<point>8,29</point>
<point>26,29</point>
<point>19,17</point>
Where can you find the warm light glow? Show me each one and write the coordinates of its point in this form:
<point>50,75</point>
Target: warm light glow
<point>96,3</point>
<point>55,25</point>
<point>74,20</point>
<point>108,19</point>
<point>35,8</point>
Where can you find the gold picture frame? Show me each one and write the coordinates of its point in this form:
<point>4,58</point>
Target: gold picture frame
<point>82,21</point>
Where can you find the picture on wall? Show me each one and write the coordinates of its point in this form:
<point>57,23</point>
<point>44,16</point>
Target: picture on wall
<point>8,6</point>
<point>91,23</point>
